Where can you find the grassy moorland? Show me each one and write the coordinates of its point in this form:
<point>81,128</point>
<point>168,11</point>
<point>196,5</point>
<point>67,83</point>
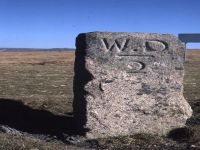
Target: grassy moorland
<point>39,84</point>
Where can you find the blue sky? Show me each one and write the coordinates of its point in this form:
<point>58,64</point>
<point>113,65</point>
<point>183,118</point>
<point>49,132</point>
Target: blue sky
<point>56,23</point>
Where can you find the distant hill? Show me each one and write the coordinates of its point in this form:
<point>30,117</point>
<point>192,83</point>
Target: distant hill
<point>34,49</point>
<point>192,49</point>
<point>47,49</point>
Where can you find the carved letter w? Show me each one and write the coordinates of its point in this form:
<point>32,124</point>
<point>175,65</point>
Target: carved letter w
<point>117,45</point>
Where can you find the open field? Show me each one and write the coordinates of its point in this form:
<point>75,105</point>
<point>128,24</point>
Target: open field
<point>40,83</point>
<point>42,80</point>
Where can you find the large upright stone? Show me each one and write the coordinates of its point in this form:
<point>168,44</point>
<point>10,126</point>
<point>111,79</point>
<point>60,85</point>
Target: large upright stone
<point>128,83</point>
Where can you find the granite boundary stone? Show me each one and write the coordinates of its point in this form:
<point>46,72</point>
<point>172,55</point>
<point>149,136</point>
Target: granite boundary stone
<point>127,83</point>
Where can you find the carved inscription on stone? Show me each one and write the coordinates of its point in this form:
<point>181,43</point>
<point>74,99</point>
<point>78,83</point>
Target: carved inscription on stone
<point>121,44</point>
<point>116,45</point>
<point>136,65</point>
<point>155,46</point>
<point>127,83</point>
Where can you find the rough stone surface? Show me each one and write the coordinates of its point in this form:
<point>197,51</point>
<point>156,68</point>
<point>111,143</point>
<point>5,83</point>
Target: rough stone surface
<point>128,83</point>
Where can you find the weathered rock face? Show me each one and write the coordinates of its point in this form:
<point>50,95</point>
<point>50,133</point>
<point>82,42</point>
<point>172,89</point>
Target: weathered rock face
<point>128,83</point>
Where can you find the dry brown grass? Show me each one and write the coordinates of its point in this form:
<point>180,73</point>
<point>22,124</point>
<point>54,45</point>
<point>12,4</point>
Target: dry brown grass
<point>36,57</point>
<point>42,80</point>
<point>192,55</point>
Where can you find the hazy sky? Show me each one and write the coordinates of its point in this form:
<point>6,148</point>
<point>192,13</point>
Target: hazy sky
<point>56,23</point>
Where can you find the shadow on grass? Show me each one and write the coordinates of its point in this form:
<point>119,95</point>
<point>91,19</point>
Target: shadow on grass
<point>181,134</point>
<point>24,118</point>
